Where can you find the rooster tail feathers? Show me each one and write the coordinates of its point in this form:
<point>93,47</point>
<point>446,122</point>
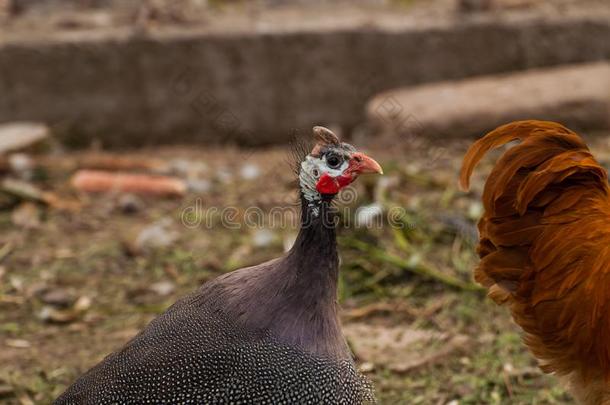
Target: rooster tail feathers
<point>544,243</point>
<point>554,151</point>
<point>518,130</point>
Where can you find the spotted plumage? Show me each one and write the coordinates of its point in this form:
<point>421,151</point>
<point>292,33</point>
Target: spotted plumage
<point>267,334</point>
<point>201,358</point>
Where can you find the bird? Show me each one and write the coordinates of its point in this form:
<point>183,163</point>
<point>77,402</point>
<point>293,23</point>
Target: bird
<point>544,246</point>
<point>266,334</point>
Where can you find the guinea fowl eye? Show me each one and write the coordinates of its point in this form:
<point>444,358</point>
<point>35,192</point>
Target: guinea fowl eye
<point>333,161</point>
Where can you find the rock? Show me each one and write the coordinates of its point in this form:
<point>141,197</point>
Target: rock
<point>249,171</point>
<point>369,215</point>
<point>22,165</point>
<point>130,204</point>
<point>577,96</point>
<point>224,175</point>
<point>263,238</point>
<point>155,236</point>
<point>163,288</point>
<point>20,135</point>
<point>82,304</point>
<point>54,315</point>
<point>198,185</point>
<point>57,297</point>
<point>187,167</point>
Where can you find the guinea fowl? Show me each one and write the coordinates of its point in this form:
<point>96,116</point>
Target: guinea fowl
<point>267,334</point>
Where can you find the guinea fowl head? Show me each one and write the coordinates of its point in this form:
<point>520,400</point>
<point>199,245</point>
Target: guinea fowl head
<point>331,166</point>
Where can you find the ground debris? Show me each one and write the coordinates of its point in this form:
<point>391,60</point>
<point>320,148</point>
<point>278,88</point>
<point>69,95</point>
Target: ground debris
<point>53,314</point>
<point>20,190</point>
<point>400,348</point>
<point>94,181</point>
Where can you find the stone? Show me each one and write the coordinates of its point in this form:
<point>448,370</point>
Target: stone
<point>16,136</point>
<point>577,96</point>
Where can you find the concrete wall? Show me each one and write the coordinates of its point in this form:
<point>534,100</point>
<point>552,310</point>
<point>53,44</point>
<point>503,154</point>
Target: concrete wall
<point>258,88</point>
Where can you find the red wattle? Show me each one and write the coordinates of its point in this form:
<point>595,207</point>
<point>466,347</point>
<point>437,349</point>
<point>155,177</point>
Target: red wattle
<point>327,185</point>
<point>332,185</point>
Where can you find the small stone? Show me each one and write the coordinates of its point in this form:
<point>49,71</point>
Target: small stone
<point>199,185</point>
<point>54,315</point>
<point>263,238</point>
<point>82,304</point>
<point>19,135</point>
<point>21,164</point>
<point>163,288</point>
<point>157,235</point>
<point>224,175</point>
<point>249,171</point>
<point>369,215</point>
<point>57,297</point>
<point>130,204</point>
<point>187,167</point>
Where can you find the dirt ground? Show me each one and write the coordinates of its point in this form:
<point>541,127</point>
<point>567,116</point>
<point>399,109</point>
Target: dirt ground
<point>77,283</point>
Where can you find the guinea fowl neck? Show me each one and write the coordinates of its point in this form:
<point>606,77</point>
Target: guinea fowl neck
<point>315,249</point>
<point>309,301</point>
<point>294,298</point>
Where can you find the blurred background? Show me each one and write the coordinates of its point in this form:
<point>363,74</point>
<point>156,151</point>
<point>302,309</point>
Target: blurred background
<point>191,106</point>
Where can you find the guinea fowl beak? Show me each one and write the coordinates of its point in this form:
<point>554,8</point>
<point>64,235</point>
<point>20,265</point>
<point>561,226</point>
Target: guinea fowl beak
<point>361,163</point>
